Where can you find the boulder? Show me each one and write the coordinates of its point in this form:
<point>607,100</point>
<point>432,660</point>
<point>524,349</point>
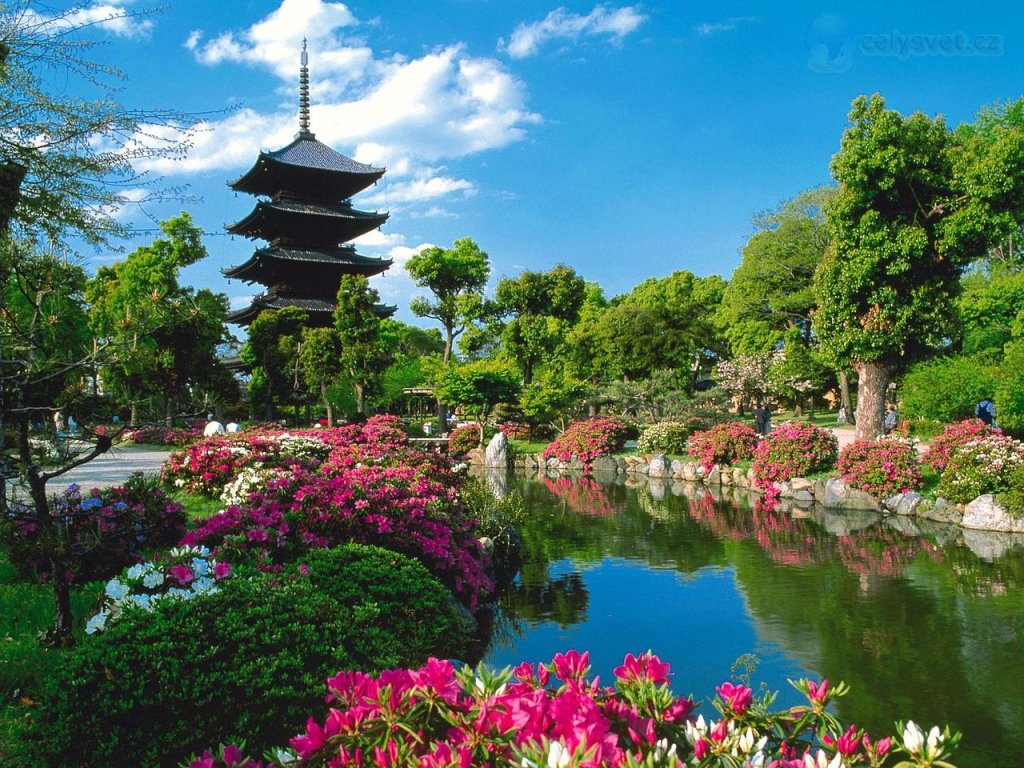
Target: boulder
<point>604,463</point>
<point>801,484</point>
<point>990,545</point>
<point>819,491</point>
<point>574,465</point>
<point>726,475</point>
<point>785,489</point>
<point>941,511</point>
<point>529,461</point>
<point>690,471</point>
<point>656,486</point>
<point>909,503</point>
<point>476,456</point>
<point>232,427</point>
<point>677,468</point>
<point>552,463</point>
<point>658,466</point>
<point>839,495</point>
<point>714,477</point>
<point>803,496</point>
<point>497,451</point>
<point>983,514</point>
<point>739,478</point>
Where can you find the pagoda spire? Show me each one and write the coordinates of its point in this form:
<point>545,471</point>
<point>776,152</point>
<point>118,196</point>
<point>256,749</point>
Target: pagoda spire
<point>304,93</point>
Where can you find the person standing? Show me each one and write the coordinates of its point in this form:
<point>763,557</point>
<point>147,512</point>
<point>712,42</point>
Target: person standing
<point>986,411</point>
<point>761,416</point>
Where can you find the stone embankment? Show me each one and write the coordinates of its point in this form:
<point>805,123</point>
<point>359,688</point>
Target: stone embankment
<point>833,493</point>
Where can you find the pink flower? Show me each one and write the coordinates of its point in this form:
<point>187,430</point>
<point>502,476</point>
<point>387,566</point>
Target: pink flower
<point>181,574</point>
<point>647,667</point>
<point>221,570</point>
<point>737,697</point>
<point>571,665</point>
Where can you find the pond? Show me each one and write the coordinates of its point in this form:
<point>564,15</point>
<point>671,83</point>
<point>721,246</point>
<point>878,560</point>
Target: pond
<point>924,621</point>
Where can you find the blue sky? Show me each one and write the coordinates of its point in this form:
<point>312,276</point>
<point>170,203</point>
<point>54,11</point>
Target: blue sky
<point>625,140</point>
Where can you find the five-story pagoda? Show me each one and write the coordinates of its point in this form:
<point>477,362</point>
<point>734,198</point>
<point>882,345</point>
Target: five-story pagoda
<point>307,221</point>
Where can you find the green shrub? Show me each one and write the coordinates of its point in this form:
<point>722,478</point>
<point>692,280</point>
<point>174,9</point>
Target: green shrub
<point>247,662</point>
<point>1009,392</point>
<point>667,436</point>
<point>947,388</point>
<point>979,467</point>
<point>1012,499</point>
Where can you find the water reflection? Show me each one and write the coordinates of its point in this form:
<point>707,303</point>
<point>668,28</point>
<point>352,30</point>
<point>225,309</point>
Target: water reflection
<point>923,620</point>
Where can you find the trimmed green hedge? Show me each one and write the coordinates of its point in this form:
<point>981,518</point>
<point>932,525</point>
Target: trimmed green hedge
<point>246,663</point>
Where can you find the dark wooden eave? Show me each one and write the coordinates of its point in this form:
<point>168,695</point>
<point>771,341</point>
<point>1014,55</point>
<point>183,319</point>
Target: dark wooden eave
<point>270,265</point>
<point>308,223</point>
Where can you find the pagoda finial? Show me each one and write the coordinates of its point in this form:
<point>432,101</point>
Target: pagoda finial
<point>304,93</point>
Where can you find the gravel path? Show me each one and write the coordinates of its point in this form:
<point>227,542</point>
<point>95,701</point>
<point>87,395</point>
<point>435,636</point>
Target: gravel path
<point>112,468</point>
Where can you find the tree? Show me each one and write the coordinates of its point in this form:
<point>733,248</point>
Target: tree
<point>67,161</point>
<point>477,387</point>
<point>884,289</point>
<point>320,358</point>
<point>272,351</point>
<point>363,356</point>
<point>542,307</point>
<point>456,276</point>
<point>162,336</point>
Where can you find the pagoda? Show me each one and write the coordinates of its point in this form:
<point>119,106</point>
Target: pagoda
<point>307,221</point>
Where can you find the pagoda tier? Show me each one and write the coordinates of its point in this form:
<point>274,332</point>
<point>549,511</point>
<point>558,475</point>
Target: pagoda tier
<point>308,166</point>
<point>299,222</point>
<point>323,269</point>
<point>319,309</point>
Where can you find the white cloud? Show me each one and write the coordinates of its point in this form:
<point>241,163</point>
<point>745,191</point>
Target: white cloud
<point>240,302</point>
<point>706,29</point>
<point>615,23</point>
<point>396,286</point>
<point>110,16</point>
<point>426,187</point>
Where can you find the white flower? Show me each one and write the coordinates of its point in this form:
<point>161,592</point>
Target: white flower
<point>153,579</point>
<point>116,589</point>
<point>822,760</point>
<point>142,601</point>
<point>96,623</point>
<point>136,571</point>
<point>913,738</point>
<point>559,756</point>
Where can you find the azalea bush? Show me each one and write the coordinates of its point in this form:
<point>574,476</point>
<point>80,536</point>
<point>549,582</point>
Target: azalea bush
<point>882,468</point>
<point>251,479</point>
<point>158,434</point>
<point>723,444</point>
<point>247,661</point>
<point>667,436</point>
<point>463,439</point>
<point>980,466</point>
<point>102,531</point>
<point>586,440</point>
<point>793,449</point>
<point>555,715</point>
<point>953,437</point>
<point>183,573</point>
<point>515,430</point>
<point>405,508</point>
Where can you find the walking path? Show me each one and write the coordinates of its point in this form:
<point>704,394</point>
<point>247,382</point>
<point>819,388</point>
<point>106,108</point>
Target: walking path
<point>112,468</point>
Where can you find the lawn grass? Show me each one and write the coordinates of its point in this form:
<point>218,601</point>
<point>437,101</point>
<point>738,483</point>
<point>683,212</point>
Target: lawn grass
<point>197,507</point>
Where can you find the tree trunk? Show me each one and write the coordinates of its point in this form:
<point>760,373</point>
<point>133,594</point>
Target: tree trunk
<point>327,404</point>
<point>361,400</point>
<point>133,417</point>
<point>873,382</point>
<point>844,395</point>
<point>798,406</point>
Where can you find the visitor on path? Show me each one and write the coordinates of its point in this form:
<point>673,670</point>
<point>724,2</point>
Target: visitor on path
<point>842,419</point>
<point>891,419</point>
<point>986,411</point>
<point>58,421</point>
<point>72,424</point>
<point>762,419</point>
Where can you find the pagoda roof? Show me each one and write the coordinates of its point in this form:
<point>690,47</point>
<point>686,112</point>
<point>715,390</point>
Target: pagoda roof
<point>307,167</point>
<point>320,311</point>
<point>308,223</point>
<point>266,263</point>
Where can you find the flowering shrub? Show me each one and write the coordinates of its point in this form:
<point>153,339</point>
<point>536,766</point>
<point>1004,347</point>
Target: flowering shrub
<point>515,430</point>
<point>184,573</point>
<point>586,440</point>
<point>405,508</point>
<point>980,466</point>
<point>882,468</point>
<point>249,480</point>
<point>463,439</point>
<point>666,436</point>
<point>158,434</point>
<point>955,435</point>
<point>554,715</point>
<point>793,449</point>
<point>207,466</point>
<point>102,532</point>
<point>724,443</point>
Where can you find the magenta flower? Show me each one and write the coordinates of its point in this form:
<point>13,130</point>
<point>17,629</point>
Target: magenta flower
<point>737,697</point>
<point>571,665</point>
<point>181,574</point>
<point>645,668</point>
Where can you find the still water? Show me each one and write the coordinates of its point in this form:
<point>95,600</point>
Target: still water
<point>924,621</point>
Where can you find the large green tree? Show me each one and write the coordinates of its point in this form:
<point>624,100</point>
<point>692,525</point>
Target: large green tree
<point>161,336</point>
<point>477,387</point>
<point>884,289</point>
<point>456,277</point>
<point>272,353</point>
<point>363,355</point>
<point>540,309</point>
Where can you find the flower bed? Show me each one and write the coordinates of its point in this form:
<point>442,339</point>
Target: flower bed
<point>103,531</point>
<point>586,440</point>
<point>793,449</point>
<point>723,444</point>
<point>883,468</point>
<point>668,436</point>
<point>980,466</point>
<point>158,434</point>
<point>953,436</point>
<point>555,715</point>
<point>463,439</point>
